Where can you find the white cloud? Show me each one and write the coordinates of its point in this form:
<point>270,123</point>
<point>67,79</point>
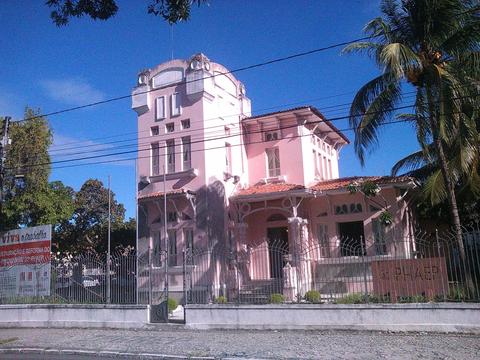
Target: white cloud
<point>66,147</point>
<point>72,91</point>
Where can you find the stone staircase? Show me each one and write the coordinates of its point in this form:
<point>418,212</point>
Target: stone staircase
<point>259,291</point>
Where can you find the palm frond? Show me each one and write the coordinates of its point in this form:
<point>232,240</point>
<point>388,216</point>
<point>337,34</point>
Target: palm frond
<point>411,162</point>
<point>371,107</point>
<point>434,188</point>
<point>398,59</point>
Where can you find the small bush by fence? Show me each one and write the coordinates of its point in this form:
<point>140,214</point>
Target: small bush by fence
<point>420,268</point>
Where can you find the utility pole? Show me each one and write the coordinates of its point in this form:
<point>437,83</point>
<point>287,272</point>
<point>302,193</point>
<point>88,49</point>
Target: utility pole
<point>165,234</point>
<point>108,250</point>
<point>4,141</point>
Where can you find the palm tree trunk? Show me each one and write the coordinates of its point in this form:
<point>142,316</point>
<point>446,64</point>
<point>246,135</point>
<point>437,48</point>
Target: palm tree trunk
<point>452,199</point>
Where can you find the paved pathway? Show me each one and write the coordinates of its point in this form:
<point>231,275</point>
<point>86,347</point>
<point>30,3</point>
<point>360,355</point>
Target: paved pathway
<point>175,340</point>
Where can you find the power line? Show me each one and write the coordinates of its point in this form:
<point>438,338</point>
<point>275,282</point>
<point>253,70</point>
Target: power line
<point>199,132</point>
<point>227,136</point>
<point>203,141</point>
<point>214,148</point>
<point>244,68</point>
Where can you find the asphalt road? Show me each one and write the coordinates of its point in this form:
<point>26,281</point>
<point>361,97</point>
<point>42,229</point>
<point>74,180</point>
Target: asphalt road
<point>237,344</point>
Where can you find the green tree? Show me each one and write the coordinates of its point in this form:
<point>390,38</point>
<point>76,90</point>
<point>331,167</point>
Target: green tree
<point>89,225</point>
<point>432,46</point>
<point>29,198</point>
<point>172,11</point>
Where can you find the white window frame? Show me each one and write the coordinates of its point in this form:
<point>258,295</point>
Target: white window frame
<point>156,249</point>
<point>185,124</point>
<point>271,135</point>
<point>323,239</point>
<point>172,247</point>
<point>160,113</point>
<point>186,153</point>
<point>155,158</point>
<point>275,170</point>
<point>228,158</point>
<point>170,127</point>
<point>170,155</point>
<point>175,104</point>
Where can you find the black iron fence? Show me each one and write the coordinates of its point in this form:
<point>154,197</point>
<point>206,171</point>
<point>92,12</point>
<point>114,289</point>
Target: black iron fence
<point>75,279</point>
<point>388,268</point>
<point>420,268</point>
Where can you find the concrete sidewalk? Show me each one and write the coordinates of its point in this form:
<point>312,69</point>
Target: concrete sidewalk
<point>173,341</point>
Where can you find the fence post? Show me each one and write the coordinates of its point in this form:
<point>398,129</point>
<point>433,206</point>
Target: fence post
<point>237,276</point>
<point>439,256</point>
<point>184,281</point>
<point>364,253</point>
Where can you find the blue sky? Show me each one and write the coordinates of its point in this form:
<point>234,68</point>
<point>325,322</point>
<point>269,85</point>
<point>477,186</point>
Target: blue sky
<point>53,68</point>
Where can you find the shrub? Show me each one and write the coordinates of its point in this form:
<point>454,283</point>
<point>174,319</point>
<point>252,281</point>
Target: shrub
<point>221,300</point>
<point>277,298</point>
<point>172,304</point>
<point>354,298</point>
<point>313,296</point>
<point>378,299</point>
<point>412,299</point>
<point>456,293</point>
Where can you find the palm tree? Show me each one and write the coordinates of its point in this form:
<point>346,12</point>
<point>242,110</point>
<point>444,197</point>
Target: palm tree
<point>431,45</point>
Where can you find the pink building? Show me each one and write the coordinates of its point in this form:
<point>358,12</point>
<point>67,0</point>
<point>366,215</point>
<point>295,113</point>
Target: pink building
<point>266,187</point>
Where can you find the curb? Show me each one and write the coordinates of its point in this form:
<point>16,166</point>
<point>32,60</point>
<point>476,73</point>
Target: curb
<point>105,354</point>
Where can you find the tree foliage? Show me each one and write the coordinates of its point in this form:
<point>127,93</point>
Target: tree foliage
<point>431,45</point>
<point>29,198</point>
<point>172,11</point>
<point>87,229</point>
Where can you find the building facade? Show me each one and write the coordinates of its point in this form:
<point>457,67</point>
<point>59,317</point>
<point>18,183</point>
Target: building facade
<point>210,176</point>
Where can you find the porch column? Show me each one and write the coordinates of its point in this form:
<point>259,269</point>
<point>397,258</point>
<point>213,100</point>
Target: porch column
<point>243,255</point>
<point>299,270</point>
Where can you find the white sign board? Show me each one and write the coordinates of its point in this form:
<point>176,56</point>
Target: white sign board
<point>25,262</point>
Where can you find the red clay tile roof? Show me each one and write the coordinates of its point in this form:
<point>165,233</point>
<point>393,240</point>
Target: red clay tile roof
<point>262,188</point>
<point>160,194</point>
<point>306,107</point>
<point>340,183</point>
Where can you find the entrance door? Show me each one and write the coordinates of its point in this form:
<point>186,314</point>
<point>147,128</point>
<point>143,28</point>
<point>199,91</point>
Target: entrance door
<point>352,238</point>
<point>277,249</point>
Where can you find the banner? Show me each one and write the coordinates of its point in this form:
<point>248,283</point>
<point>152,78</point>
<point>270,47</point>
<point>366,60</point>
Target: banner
<point>410,277</point>
<point>25,262</point>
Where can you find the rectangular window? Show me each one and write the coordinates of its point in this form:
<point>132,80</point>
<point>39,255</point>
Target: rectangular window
<point>188,238</point>
<point>155,159</point>
<point>170,127</point>
<point>322,237</point>
<point>170,156</point>
<point>172,247</point>
<point>271,135</point>
<point>330,175</point>
<point>315,165</point>
<point>156,249</point>
<point>172,216</point>
<point>154,130</point>
<point>320,166</point>
<point>175,104</point>
<point>324,166</point>
<point>379,237</point>
<point>186,124</point>
<point>228,158</point>
<point>273,162</point>
<point>160,108</point>
<point>186,153</point>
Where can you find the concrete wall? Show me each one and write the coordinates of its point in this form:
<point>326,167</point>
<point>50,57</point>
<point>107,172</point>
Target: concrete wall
<point>81,316</point>
<point>384,317</point>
